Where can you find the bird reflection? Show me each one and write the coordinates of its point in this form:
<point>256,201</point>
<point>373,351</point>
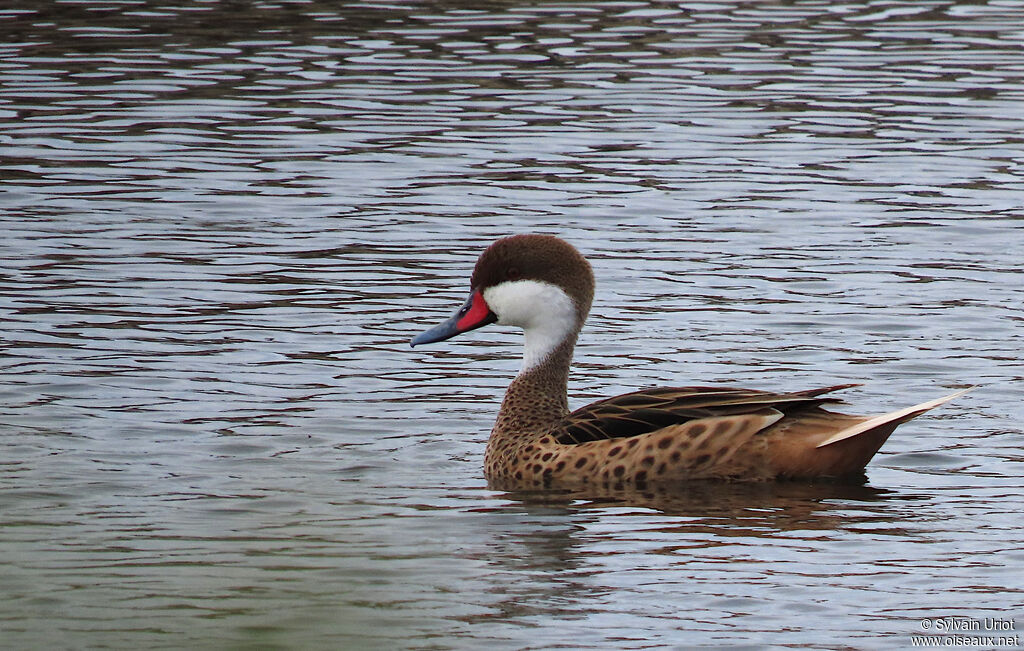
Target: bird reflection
<point>551,551</point>
<point>777,506</point>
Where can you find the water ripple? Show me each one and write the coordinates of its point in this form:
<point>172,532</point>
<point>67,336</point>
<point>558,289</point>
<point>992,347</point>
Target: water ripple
<point>223,224</point>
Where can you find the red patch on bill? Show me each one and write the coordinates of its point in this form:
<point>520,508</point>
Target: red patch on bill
<point>477,312</point>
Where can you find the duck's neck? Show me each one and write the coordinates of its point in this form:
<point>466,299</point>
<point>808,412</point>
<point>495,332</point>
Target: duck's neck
<point>536,398</point>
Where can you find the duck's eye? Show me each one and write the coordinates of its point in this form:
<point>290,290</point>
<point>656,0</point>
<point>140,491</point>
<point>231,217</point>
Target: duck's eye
<point>512,273</point>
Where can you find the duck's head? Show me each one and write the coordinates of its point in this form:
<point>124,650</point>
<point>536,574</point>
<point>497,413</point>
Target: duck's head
<point>539,283</point>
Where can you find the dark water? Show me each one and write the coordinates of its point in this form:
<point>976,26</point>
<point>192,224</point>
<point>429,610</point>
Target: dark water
<point>222,223</point>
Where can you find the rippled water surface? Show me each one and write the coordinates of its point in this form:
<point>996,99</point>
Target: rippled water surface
<point>223,222</point>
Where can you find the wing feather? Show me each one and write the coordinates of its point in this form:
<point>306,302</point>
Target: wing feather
<point>649,410</point>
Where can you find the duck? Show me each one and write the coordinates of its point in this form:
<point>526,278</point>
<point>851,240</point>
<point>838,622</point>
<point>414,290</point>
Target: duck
<point>651,437</point>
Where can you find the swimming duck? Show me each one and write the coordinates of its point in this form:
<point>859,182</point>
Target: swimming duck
<point>543,285</point>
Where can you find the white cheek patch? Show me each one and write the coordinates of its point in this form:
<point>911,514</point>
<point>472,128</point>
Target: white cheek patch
<point>544,311</point>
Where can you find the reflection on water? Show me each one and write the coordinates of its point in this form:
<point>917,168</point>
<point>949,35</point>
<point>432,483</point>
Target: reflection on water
<point>223,223</point>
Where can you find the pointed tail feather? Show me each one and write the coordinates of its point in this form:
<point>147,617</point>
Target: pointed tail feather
<point>895,417</point>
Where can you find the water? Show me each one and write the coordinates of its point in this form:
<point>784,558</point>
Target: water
<point>223,224</point>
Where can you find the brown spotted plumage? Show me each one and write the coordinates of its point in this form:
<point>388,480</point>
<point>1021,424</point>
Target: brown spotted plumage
<point>651,437</point>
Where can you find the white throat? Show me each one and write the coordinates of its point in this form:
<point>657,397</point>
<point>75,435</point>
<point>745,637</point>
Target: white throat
<point>544,311</point>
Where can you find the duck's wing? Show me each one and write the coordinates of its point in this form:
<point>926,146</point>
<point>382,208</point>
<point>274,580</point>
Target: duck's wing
<point>649,410</point>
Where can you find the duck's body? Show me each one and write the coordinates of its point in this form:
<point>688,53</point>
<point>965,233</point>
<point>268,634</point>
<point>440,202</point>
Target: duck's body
<point>545,286</point>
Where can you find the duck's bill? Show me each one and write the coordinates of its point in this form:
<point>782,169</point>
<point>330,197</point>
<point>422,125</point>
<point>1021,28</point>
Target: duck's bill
<point>473,314</point>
